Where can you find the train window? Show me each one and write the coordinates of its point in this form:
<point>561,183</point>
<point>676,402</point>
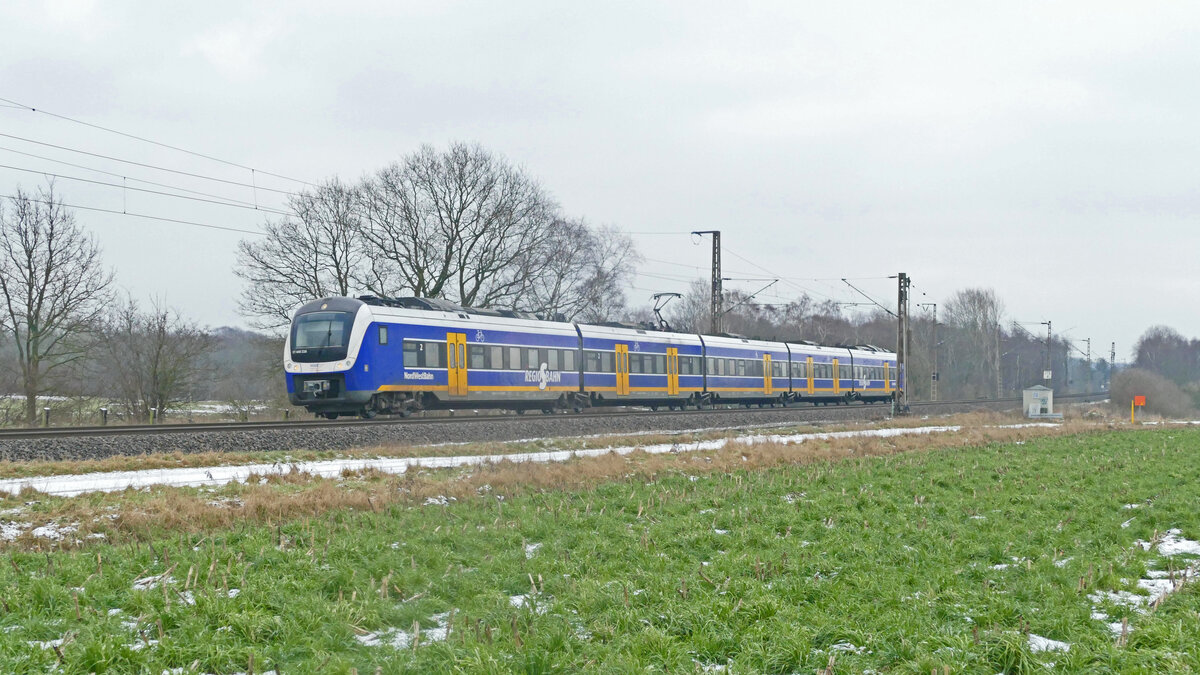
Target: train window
<point>412,354</point>
<point>435,355</point>
<point>660,364</point>
<point>476,358</point>
<point>711,366</point>
<point>514,359</point>
<point>568,360</point>
<point>497,358</point>
<point>552,359</point>
<point>635,363</point>
<point>383,335</point>
<point>531,359</point>
<point>591,362</point>
<point>606,362</point>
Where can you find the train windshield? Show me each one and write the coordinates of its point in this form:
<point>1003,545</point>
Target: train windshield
<point>321,336</point>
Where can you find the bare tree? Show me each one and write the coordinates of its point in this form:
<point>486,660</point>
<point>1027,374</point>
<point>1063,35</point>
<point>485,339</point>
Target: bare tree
<point>53,287</point>
<point>690,313</point>
<point>458,224</point>
<point>974,316</point>
<point>313,254</point>
<point>154,357</point>
<point>583,273</point>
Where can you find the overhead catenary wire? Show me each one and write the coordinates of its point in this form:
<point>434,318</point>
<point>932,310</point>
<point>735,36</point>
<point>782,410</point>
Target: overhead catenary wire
<point>149,166</point>
<point>774,275</point>
<point>131,178</point>
<point>152,141</point>
<point>137,215</point>
<point>153,192</point>
<point>873,301</point>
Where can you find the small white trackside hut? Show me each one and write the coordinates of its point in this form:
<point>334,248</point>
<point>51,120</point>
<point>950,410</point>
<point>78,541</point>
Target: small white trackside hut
<point>1038,402</point>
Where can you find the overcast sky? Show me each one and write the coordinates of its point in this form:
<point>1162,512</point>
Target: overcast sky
<point>1046,150</point>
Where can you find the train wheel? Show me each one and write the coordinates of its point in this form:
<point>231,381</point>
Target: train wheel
<point>368,413</point>
<point>330,416</point>
<point>520,411</point>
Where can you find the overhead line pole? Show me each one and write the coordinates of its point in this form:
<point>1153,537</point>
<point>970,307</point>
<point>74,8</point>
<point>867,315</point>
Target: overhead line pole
<point>903,337</point>
<point>1047,372</point>
<point>1089,365</point>
<point>1112,363</point>
<point>715,310</point>
<point>933,378</point>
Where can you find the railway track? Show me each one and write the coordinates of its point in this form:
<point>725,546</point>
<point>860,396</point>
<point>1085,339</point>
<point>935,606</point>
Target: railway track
<point>64,433</point>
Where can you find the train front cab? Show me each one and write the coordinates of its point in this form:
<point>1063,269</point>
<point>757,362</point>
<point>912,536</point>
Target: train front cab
<point>321,352</point>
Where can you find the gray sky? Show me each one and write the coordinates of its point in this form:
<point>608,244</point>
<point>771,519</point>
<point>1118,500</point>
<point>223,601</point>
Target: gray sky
<point>1045,150</point>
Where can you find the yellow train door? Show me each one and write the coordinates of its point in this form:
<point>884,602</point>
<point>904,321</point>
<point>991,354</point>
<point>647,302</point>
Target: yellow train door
<point>808,375</point>
<point>622,366</point>
<point>837,380</point>
<point>672,371</point>
<point>887,378</point>
<point>768,382</point>
<point>456,363</point>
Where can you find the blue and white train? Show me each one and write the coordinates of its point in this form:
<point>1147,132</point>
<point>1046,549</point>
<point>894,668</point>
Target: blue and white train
<point>366,356</point>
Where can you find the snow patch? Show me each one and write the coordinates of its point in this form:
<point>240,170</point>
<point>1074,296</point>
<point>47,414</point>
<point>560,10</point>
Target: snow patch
<point>54,531</point>
<point>148,583</point>
<point>847,647</point>
<point>1157,584</point>
<point>401,639</point>
<point>9,530</point>
<point>115,481</point>
<point>1037,643</point>
<point>1173,544</point>
<point>47,644</point>
<point>531,549</point>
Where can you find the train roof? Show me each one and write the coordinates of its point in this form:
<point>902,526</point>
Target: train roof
<point>437,309</point>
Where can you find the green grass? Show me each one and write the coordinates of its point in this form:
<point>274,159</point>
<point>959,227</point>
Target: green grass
<point>891,555</point>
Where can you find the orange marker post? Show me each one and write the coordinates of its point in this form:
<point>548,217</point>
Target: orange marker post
<point>1137,401</point>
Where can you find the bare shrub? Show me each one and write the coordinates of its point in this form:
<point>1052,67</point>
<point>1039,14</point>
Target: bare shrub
<point>1163,397</point>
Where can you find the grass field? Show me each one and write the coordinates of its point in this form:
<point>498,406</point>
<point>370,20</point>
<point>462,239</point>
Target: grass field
<point>961,559</point>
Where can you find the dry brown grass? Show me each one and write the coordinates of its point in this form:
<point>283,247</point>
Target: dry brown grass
<point>138,516</point>
<point>181,460</point>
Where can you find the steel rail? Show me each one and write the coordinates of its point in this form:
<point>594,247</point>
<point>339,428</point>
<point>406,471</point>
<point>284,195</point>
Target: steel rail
<point>301,425</point>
